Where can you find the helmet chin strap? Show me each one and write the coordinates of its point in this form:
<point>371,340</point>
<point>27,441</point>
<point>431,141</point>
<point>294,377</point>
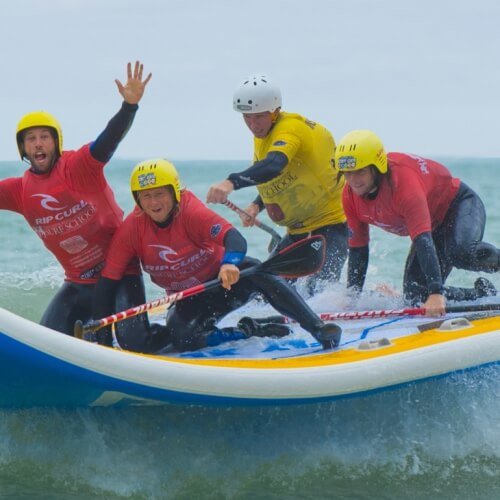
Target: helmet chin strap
<point>372,194</point>
<point>275,115</point>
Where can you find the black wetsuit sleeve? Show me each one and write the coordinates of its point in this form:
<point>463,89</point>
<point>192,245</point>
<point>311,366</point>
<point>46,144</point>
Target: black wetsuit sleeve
<point>103,305</point>
<point>357,267</point>
<point>235,247</point>
<point>261,171</point>
<point>105,145</point>
<point>235,242</point>
<point>429,262</point>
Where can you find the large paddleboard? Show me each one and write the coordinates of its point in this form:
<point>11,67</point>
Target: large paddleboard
<point>41,367</point>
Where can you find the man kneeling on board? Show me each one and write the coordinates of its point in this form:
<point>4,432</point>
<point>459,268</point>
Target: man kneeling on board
<point>409,195</point>
<point>181,243</point>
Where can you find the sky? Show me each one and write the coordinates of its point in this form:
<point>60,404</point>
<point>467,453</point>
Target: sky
<point>424,75</point>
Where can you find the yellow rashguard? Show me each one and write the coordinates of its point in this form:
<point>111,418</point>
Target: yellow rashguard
<point>307,194</point>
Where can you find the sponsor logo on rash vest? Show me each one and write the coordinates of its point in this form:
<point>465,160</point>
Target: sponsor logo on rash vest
<point>63,219</point>
<point>175,262</point>
<point>280,184</point>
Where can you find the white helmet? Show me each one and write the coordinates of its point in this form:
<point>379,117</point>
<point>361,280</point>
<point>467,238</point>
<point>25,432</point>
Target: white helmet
<point>256,95</point>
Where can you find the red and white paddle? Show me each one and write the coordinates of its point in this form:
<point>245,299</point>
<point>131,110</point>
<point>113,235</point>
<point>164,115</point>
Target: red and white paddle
<point>275,237</point>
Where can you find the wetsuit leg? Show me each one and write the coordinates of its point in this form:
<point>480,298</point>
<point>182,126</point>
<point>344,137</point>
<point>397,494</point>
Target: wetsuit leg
<point>285,299</point>
<point>336,251</point>
<point>464,230</point>
<point>191,321</point>
<point>458,242</point>
<point>133,334</point>
<point>73,301</point>
<point>415,289</point>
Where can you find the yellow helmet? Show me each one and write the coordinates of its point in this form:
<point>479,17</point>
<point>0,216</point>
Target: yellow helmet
<point>38,119</point>
<point>360,149</point>
<point>155,173</point>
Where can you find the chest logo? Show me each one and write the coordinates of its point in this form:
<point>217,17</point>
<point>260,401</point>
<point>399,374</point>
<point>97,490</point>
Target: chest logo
<point>165,252</point>
<point>46,199</point>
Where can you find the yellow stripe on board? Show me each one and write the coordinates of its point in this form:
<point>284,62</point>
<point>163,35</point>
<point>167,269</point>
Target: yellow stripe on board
<point>398,345</point>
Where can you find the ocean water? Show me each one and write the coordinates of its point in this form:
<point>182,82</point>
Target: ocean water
<point>438,439</point>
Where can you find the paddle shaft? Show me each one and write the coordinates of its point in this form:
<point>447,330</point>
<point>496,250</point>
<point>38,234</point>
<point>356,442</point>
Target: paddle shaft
<point>167,300</point>
<point>416,311</point>
<point>275,237</point>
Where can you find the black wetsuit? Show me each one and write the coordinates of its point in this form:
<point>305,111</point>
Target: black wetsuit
<point>335,234</point>
<point>456,242</point>
<point>74,300</point>
<point>191,321</point>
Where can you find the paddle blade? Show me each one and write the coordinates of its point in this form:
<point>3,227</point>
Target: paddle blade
<point>299,259</point>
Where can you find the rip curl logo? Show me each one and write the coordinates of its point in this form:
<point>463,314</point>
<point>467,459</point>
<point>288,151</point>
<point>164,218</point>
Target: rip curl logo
<point>347,163</point>
<point>165,252</point>
<point>46,199</point>
<point>187,264</point>
<point>146,180</point>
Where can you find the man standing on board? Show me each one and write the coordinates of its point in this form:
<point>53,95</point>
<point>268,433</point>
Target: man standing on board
<point>293,172</point>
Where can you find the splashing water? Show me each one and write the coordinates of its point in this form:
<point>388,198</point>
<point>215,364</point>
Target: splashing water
<point>436,439</point>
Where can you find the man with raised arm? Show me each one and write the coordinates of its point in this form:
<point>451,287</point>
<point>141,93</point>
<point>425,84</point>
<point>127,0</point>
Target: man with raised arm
<point>65,198</point>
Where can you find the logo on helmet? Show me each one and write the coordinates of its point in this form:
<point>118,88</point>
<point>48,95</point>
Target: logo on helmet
<point>347,163</point>
<point>145,180</point>
<point>244,107</point>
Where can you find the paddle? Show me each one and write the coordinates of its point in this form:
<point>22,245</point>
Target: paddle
<point>416,311</point>
<point>299,259</point>
<point>275,237</point>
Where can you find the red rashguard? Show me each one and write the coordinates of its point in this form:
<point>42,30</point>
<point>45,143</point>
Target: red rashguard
<point>186,253</point>
<point>412,199</point>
